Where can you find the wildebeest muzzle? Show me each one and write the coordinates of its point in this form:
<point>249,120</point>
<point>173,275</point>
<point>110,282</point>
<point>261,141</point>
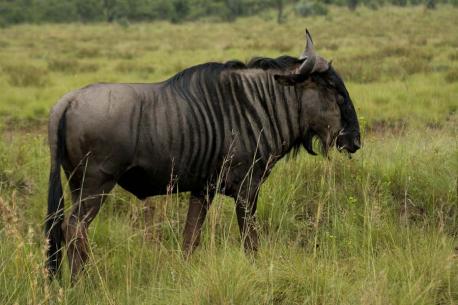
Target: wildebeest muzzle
<point>349,141</point>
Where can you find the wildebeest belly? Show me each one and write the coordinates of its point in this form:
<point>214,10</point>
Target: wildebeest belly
<point>139,182</point>
<point>144,182</point>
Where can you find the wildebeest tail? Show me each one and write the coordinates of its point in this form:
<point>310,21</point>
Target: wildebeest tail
<point>55,215</point>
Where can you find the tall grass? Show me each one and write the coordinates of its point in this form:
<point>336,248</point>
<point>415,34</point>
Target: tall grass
<point>378,229</point>
<point>374,230</point>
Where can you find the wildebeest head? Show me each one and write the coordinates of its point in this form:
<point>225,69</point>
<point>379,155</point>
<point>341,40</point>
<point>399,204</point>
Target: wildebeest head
<point>331,115</point>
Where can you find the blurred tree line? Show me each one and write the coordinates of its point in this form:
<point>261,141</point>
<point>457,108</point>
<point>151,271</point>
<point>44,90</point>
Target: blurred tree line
<point>124,11</point>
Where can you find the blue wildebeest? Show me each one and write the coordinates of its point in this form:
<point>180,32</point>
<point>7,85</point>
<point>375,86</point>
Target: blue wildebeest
<point>216,121</point>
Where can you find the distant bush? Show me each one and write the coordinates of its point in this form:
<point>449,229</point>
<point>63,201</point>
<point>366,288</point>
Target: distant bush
<point>306,8</point>
<point>372,5</point>
<point>399,2</point>
<point>431,4</point>
<point>58,11</point>
<point>26,75</point>
<point>126,11</point>
<point>123,22</point>
<point>352,4</point>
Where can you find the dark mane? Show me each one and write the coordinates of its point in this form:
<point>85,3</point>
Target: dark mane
<point>332,78</point>
<point>212,69</point>
<point>279,63</point>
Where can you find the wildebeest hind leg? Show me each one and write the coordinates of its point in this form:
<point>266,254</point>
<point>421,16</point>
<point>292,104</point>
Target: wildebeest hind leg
<point>87,201</point>
<point>197,211</point>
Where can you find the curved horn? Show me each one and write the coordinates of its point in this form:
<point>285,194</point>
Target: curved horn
<point>312,62</point>
<point>309,48</point>
<point>309,55</point>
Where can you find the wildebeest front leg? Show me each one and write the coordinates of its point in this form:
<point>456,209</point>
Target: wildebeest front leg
<point>246,210</point>
<point>197,211</point>
<point>86,204</point>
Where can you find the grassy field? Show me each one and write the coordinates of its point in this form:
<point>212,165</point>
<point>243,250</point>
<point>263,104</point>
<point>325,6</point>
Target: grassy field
<point>378,229</point>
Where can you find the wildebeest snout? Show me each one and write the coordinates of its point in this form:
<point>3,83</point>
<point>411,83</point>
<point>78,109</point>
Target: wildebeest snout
<point>350,141</point>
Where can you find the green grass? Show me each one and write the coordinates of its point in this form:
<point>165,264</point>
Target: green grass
<point>378,229</point>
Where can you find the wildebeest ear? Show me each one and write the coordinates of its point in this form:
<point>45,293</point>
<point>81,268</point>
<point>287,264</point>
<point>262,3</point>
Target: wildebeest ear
<point>290,79</point>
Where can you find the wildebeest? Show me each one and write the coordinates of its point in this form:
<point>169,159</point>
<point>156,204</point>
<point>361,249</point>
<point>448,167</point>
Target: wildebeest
<point>224,124</point>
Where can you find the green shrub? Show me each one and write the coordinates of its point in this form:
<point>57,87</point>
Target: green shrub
<point>306,9</point>
<point>431,4</point>
<point>123,22</point>
<point>399,2</point>
<point>352,4</point>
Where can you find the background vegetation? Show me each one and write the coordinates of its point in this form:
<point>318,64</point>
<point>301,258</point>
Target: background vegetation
<point>378,229</point>
<point>124,11</point>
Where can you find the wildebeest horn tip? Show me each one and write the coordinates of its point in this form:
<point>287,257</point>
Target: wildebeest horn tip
<point>307,33</point>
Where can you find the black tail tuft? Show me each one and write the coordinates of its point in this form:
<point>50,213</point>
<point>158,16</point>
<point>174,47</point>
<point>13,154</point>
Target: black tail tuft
<point>55,216</point>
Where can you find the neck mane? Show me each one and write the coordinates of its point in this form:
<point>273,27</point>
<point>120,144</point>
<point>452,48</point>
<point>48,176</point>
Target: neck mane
<point>271,111</point>
<point>264,63</point>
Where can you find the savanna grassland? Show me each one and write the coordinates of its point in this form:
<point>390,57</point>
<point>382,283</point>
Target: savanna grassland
<point>380,228</point>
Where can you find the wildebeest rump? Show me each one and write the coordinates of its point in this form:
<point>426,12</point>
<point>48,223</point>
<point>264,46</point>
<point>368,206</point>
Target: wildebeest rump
<point>222,124</point>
